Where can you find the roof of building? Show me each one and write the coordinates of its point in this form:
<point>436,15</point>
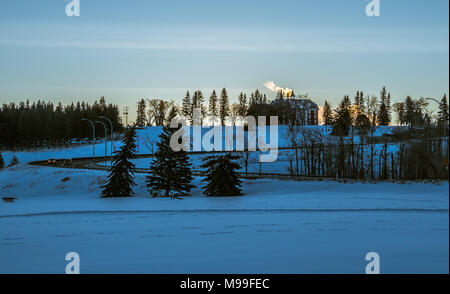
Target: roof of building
<point>304,103</point>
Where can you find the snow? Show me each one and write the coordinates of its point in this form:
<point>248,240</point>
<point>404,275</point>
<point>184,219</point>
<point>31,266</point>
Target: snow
<point>145,135</point>
<point>278,227</point>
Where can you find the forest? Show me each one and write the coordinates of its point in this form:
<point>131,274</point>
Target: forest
<point>41,124</point>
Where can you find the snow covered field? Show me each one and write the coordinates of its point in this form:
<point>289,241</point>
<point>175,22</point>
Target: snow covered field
<point>278,227</point>
<point>149,134</point>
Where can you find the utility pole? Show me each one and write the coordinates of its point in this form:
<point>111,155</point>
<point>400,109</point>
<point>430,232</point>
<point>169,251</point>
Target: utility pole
<point>126,116</point>
<point>93,138</point>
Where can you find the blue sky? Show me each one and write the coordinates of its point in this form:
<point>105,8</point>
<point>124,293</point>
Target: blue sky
<point>127,50</point>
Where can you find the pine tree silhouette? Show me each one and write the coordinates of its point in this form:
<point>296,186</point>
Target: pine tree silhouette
<point>443,112</point>
<point>170,171</point>
<point>120,181</point>
<point>343,120</point>
<point>221,176</point>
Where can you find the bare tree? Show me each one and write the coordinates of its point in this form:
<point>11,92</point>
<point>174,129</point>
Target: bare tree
<point>158,111</point>
<point>372,111</point>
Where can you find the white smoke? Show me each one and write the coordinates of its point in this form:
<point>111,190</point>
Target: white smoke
<point>274,88</point>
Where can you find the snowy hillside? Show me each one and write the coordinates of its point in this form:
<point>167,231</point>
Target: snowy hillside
<point>278,227</point>
<point>146,137</point>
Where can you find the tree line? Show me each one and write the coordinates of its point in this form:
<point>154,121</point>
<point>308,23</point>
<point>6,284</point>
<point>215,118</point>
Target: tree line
<point>40,123</point>
<point>418,152</point>
<point>366,112</point>
<point>154,112</point>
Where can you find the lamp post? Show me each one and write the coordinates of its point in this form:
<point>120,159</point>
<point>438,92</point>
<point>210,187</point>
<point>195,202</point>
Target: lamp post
<point>113,148</point>
<point>93,137</point>
<point>106,139</point>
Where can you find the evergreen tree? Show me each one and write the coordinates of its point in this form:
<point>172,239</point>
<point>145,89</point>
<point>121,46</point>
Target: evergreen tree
<point>258,97</point>
<point>120,181</point>
<point>443,114</point>
<point>362,103</point>
<point>170,171</point>
<point>213,107</point>
<point>224,106</point>
<point>327,114</point>
<point>221,176</point>
<point>2,162</point>
<point>197,102</point>
<point>384,117</point>
<point>252,100</point>
<point>141,119</point>
<point>37,124</point>
<point>186,106</point>
<point>243,108</point>
<point>343,119</point>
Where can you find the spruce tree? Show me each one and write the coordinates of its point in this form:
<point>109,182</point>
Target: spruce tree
<point>242,110</point>
<point>252,100</point>
<point>224,106</point>
<point>213,107</point>
<point>327,114</point>
<point>186,106</point>
<point>197,102</point>
<point>362,103</point>
<point>443,114</point>
<point>170,171</point>
<point>141,119</point>
<point>384,116</point>
<point>120,181</point>
<point>343,119</point>
<point>2,162</point>
<point>221,177</point>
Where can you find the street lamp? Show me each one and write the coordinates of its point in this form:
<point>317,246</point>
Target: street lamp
<point>93,137</point>
<point>112,134</point>
<point>106,139</point>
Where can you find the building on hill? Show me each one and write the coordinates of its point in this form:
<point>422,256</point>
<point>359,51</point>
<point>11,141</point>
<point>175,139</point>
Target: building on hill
<point>305,111</point>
